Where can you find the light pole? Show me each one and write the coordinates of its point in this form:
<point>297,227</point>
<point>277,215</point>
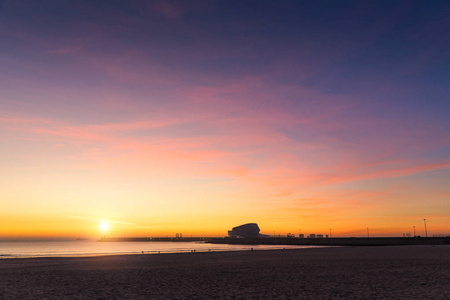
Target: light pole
<point>330,233</point>
<point>425,223</point>
<point>414,231</point>
<point>368,232</point>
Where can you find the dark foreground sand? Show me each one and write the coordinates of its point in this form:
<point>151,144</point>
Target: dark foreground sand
<point>392,272</point>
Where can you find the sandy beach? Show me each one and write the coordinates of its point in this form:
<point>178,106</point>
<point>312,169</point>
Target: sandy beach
<point>392,272</point>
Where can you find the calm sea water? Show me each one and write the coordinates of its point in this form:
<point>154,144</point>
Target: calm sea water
<point>93,248</point>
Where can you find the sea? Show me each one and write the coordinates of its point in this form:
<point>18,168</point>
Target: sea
<point>73,248</point>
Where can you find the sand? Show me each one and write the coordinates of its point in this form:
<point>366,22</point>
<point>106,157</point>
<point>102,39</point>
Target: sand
<point>392,272</point>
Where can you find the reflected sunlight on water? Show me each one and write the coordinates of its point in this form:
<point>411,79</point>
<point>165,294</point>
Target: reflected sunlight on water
<point>88,248</point>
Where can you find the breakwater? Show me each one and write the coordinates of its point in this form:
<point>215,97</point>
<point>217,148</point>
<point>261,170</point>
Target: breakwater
<point>373,241</point>
<point>153,239</point>
<point>339,241</point>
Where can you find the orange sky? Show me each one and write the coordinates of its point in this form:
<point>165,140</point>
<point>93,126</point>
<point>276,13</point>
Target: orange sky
<point>197,118</point>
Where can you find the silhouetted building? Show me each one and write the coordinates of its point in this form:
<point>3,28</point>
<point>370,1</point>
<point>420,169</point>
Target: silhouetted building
<point>250,230</point>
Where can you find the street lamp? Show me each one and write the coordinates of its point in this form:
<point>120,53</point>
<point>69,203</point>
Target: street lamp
<point>425,223</point>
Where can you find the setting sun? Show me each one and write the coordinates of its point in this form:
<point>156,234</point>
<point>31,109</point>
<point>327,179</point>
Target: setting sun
<point>104,226</point>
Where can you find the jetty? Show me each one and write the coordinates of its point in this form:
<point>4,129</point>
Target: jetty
<point>154,239</point>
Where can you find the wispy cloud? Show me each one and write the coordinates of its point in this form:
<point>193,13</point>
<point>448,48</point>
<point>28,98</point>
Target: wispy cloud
<point>65,50</point>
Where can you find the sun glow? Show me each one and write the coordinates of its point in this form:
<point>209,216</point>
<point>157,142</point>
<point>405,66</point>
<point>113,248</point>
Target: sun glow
<point>104,226</point>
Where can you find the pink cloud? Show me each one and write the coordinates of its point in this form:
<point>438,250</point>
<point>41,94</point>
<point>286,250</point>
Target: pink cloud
<point>248,123</point>
<point>254,150</point>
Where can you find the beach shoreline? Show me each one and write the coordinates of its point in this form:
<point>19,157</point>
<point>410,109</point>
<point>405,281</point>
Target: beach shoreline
<point>92,248</point>
<point>393,272</point>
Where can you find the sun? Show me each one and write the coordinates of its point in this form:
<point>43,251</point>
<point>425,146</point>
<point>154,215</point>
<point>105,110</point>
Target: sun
<point>104,226</point>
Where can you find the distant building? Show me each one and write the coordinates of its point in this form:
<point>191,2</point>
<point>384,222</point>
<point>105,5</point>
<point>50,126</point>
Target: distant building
<point>320,236</point>
<point>312,235</point>
<point>249,230</point>
<point>301,235</point>
<point>290,235</point>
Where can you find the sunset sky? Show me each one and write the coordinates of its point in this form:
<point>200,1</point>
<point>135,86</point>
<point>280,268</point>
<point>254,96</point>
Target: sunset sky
<point>161,117</point>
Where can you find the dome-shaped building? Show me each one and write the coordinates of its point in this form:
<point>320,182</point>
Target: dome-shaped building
<point>249,230</point>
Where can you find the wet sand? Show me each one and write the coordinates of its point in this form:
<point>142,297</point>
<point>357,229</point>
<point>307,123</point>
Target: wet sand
<point>392,272</point>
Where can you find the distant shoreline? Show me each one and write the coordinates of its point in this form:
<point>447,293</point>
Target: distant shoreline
<point>374,241</point>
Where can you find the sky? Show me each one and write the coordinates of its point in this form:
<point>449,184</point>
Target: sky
<point>192,117</point>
